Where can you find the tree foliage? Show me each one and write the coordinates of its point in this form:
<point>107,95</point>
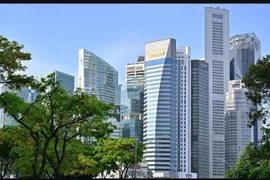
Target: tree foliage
<point>118,155</point>
<point>254,163</point>
<point>7,157</point>
<point>11,59</point>
<point>53,120</point>
<point>257,81</point>
<point>47,142</point>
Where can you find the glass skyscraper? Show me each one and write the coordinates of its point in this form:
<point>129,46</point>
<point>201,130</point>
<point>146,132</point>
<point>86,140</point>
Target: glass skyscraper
<point>160,107</point>
<point>132,112</point>
<point>66,80</point>
<point>98,77</point>
<point>132,100</point>
<point>199,118</point>
<point>245,50</point>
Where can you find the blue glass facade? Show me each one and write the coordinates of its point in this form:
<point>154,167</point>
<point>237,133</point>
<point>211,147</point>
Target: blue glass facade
<point>160,112</point>
<point>131,112</point>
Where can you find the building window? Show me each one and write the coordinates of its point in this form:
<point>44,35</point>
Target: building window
<point>217,16</point>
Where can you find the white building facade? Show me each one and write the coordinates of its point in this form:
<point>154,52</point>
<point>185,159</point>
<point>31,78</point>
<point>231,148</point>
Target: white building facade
<point>135,73</point>
<point>184,110</point>
<point>217,56</point>
<point>237,133</point>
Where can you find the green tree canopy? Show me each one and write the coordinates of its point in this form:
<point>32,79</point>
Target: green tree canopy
<point>254,163</point>
<point>257,81</point>
<point>55,117</point>
<point>118,155</point>
<point>11,60</point>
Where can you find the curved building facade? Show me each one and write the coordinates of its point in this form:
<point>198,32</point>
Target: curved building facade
<point>160,107</point>
<point>98,77</point>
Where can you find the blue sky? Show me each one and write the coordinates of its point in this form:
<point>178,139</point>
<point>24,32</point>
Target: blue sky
<point>116,32</point>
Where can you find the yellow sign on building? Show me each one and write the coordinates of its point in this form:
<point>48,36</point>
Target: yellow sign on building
<point>156,55</point>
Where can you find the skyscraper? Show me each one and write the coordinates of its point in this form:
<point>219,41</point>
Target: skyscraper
<point>245,50</point>
<point>217,57</point>
<point>184,110</point>
<point>237,133</point>
<point>98,77</point>
<point>199,118</point>
<point>66,80</point>
<point>132,100</point>
<point>132,112</point>
<point>135,73</point>
<point>160,108</point>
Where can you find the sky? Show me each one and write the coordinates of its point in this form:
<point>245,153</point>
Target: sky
<point>53,33</point>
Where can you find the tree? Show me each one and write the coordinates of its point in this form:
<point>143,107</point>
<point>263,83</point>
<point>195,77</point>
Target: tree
<point>11,59</point>
<point>254,162</point>
<point>247,161</point>
<point>55,117</point>
<point>77,162</point>
<point>6,155</point>
<point>257,81</point>
<point>15,142</point>
<point>118,155</point>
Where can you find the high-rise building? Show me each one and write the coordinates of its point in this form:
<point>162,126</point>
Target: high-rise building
<point>217,57</point>
<point>66,80</point>
<point>132,112</point>
<point>117,131</point>
<point>199,118</point>
<point>237,133</point>
<point>135,73</point>
<point>160,122</point>
<point>132,101</point>
<point>184,110</point>
<point>98,77</point>
<point>245,50</point>
<point>29,95</point>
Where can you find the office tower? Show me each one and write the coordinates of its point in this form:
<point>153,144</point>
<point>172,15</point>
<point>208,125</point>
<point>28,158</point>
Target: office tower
<point>132,101</point>
<point>217,57</point>
<point>245,50</point>
<point>199,118</point>
<point>160,108</point>
<point>98,77</point>
<point>132,112</point>
<point>135,73</point>
<point>237,133</point>
<point>66,80</point>
<point>117,131</point>
<point>29,95</point>
<point>184,100</point>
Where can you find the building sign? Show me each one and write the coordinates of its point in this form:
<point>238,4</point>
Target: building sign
<point>155,55</point>
<point>157,49</point>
